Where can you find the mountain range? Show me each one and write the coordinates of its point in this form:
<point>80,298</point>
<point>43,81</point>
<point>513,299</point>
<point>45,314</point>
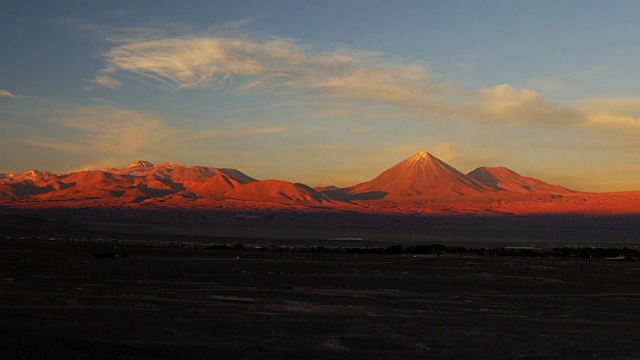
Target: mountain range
<point>420,184</point>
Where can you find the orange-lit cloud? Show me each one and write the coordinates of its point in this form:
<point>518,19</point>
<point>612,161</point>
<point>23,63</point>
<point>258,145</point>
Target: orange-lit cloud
<point>622,114</point>
<point>109,134</point>
<point>116,130</point>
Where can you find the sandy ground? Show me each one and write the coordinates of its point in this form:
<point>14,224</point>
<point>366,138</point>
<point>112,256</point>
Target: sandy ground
<point>180,301</point>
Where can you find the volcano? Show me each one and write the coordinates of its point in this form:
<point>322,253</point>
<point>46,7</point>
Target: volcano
<point>420,176</point>
<point>504,179</point>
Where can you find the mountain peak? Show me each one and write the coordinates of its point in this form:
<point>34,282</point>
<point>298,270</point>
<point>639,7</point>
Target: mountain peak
<point>502,178</point>
<point>33,175</point>
<point>420,157</point>
<point>140,163</point>
<point>418,176</point>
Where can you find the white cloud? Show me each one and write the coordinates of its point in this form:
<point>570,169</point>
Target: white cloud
<point>106,81</point>
<point>5,93</point>
<point>176,63</point>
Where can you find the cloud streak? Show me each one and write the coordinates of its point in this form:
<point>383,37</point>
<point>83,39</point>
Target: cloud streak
<point>110,134</point>
<point>8,94</point>
<point>237,133</point>
<point>563,81</point>
<point>115,130</point>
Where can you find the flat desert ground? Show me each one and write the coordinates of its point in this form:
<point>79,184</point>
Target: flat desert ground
<point>178,299</point>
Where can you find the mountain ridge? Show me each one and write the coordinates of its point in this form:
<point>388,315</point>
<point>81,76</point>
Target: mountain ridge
<point>421,177</point>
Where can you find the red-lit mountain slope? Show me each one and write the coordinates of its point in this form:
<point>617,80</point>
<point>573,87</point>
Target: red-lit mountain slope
<point>501,178</point>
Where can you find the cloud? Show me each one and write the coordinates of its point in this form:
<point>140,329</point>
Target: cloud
<point>619,115</point>
<point>108,162</point>
<point>5,93</point>
<point>345,80</point>
<point>342,83</point>
<point>45,142</point>
<point>107,135</point>
<point>445,152</point>
<point>115,130</point>
<point>253,131</point>
<point>106,81</point>
<point>505,103</point>
<point>176,63</point>
<point>563,81</point>
<point>236,133</point>
<point>103,101</point>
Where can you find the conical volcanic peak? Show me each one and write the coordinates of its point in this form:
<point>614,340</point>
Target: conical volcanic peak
<point>140,163</point>
<point>421,175</point>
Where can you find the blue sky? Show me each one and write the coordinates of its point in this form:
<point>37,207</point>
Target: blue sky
<point>329,92</point>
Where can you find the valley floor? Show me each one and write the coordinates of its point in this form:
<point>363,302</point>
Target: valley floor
<point>172,300</point>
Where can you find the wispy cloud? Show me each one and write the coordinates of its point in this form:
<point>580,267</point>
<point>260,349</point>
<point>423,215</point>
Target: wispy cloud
<point>107,135</point>
<point>104,101</point>
<point>342,83</point>
<point>343,77</point>
<point>116,130</point>
<point>232,133</point>
<point>106,81</point>
<point>8,94</point>
<point>621,114</point>
<point>108,162</point>
<point>563,81</point>
<point>445,152</point>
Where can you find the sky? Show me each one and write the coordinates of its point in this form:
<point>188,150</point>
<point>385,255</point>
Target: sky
<point>324,92</point>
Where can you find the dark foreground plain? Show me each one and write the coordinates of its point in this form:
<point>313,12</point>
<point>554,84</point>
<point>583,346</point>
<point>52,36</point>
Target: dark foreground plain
<point>180,300</point>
